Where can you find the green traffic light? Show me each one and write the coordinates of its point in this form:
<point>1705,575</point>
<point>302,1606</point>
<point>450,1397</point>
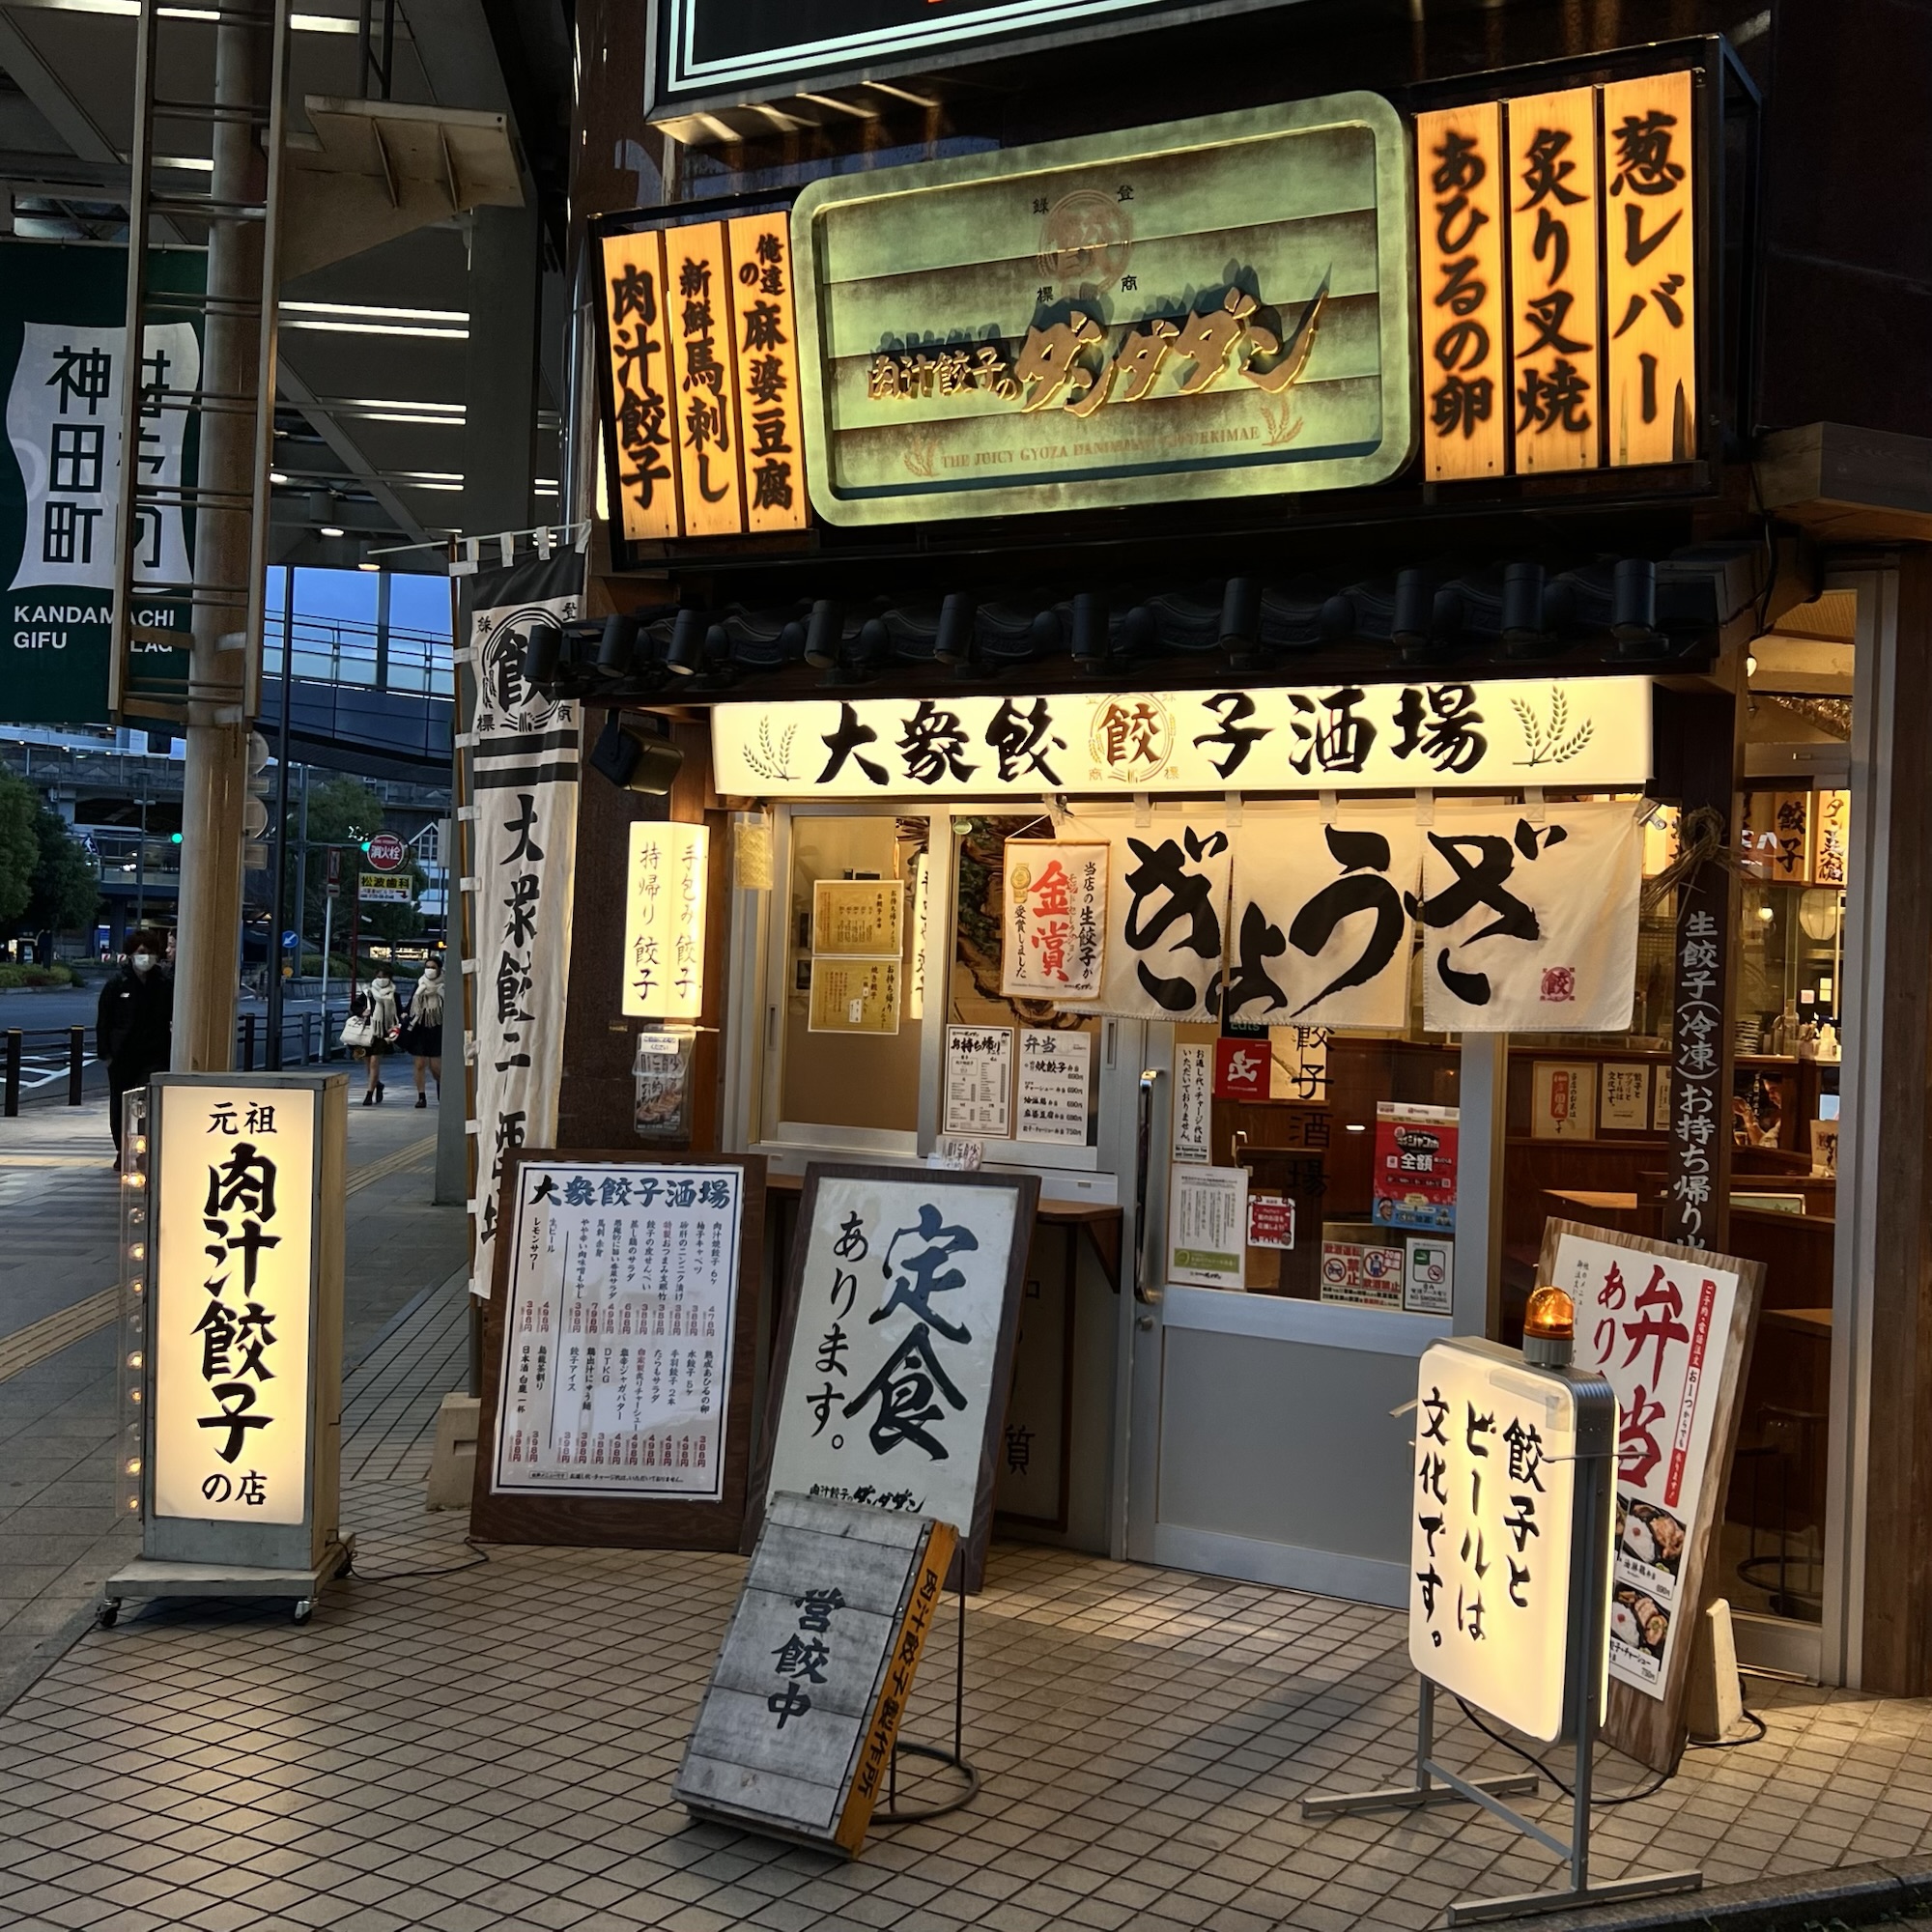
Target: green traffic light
<point>174,839</point>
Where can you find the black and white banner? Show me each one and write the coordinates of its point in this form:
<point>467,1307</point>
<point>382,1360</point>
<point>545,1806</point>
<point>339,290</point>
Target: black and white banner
<point>523,775</point>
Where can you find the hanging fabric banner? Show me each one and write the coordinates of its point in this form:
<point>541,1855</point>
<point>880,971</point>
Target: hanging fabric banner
<point>522,776</point>
<point>1529,919</point>
<point>1321,926</point>
<point>1166,910</point>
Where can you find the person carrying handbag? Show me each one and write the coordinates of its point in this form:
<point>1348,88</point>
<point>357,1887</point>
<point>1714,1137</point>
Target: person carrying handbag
<point>422,1030</point>
<point>372,1028</point>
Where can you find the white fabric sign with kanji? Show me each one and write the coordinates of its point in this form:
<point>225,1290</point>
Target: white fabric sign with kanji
<point>1320,927</point>
<point>1529,923</point>
<point>522,782</point>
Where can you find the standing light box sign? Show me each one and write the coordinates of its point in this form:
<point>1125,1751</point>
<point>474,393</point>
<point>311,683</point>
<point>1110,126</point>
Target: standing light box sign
<point>897,1350</point>
<point>246,1319</point>
<point>664,921</point>
<point>1493,1510</point>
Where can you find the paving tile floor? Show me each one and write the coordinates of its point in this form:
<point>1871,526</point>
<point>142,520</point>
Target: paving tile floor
<point>467,1740</point>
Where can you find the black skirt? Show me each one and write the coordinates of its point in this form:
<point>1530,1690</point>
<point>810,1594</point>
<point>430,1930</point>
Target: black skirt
<point>425,1042</point>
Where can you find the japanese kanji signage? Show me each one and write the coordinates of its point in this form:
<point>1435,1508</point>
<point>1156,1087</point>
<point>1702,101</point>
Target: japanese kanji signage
<point>1057,327</point>
<point>704,435</point>
<point>898,1338</point>
<point>1580,733</point>
<point>1416,1166</point>
<point>1055,919</point>
<point>1594,359</point>
<point>978,1097</point>
<point>664,921</point>
<point>1055,1069</point>
<point>616,1385</point>
<point>63,356</point>
<point>797,1728</point>
<point>1670,1328</point>
<point>616,1369</point>
<point>1492,1513</point>
<point>522,810</point>
<point>245,1319</point>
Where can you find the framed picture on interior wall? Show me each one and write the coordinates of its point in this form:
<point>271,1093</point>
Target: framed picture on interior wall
<point>618,1344</point>
<point>895,1347</point>
<point>1563,1100</point>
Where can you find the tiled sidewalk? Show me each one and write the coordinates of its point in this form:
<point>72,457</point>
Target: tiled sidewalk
<point>463,1745</point>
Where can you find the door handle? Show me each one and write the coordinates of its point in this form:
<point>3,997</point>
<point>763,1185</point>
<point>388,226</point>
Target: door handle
<point>1150,1077</point>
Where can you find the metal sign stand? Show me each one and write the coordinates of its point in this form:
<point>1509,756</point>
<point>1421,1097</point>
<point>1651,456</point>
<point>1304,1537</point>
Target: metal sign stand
<point>891,1812</point>
<point>1585,1673</point>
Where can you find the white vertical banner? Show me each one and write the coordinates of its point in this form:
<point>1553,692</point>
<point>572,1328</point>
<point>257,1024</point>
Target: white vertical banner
<point>1529,919</point>
<point>64,421</point>
<point>523,779</point>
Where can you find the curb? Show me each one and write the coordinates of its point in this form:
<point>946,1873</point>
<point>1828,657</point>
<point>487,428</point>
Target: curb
<point>1863,1894</point>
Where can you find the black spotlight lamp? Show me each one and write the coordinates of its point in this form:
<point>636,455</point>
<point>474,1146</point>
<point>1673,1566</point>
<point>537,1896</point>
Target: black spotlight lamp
<point>1523,630</point>
<point>615,646</point>
<point>543,645</point>
<point>684,655</point>
<point>1415,609</point>
<point>958,616</point>
<point>822,634</point>
<point>1241,621</point>
<point>1634,606</point>
<point>634,761</point>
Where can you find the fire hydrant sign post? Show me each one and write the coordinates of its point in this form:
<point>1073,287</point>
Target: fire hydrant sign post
<point>241,1358</point>
<point>1512,1504</point>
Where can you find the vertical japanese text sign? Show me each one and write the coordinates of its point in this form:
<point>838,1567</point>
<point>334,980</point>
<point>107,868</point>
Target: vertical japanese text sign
<point>1494,1512</point>
<point>645,496</point>
<point>1651,269</point>
<point>664,922</point>
<point>1460,186</point>
<point>764,347</point>
<point>897,1352</point>
<point>245,1341</point>
<point>705,397</point>
<point>1556,350</point>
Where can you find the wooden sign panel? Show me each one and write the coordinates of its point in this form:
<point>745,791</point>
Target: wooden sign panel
<point>895,1353</point>
<point>1672,1329</point>
<point>796,1732</point>
<point>617,1350</point>
<point>1556,346</point>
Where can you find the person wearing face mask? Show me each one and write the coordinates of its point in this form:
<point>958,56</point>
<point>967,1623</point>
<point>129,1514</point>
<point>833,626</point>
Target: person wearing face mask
<point>375,1008</point>
<point>134,1026</point>
<point>422,1030</point>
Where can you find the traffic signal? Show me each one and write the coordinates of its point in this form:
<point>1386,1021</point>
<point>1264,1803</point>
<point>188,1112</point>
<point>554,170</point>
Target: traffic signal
<point>174,839</point>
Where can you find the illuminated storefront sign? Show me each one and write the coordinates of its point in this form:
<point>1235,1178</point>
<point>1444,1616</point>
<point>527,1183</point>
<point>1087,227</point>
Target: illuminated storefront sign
<point>664,922</point>
<point>702,435</point>
<point>1210,308</point>
<point>1576,732</point>
<point>231,1313</point>
<point>1590,192</point>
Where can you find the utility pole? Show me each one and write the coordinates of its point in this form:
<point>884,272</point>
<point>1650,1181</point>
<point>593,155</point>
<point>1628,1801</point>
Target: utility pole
<point>215,784</point>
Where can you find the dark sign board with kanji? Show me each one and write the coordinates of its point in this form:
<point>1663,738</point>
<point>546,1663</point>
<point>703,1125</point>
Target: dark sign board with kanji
<point>901,1315</point>
<point>617,1350</point>
<point>719,50</point>
<point>796,1733</point>
<point>1671,1329</point>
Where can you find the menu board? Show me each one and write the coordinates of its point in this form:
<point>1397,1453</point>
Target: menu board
<point>856,918</point>
<point>855,995</point>
<point>1053,1069</point>
<point>617,1364</point>
<point>979,1082</point>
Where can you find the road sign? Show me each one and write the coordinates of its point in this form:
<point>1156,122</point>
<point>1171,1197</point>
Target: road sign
<point>383,889</point>
<point>388,853</point>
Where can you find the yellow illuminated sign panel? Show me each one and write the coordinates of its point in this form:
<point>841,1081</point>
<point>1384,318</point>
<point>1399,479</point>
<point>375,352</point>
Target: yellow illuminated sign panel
<point>664,922</point>
<point>234,1286</point>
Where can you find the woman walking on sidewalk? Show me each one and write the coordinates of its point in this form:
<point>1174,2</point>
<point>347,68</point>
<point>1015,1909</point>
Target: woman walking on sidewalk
<point>422,1031</point>
<point>371,1030</point>
<point>133,1026</point>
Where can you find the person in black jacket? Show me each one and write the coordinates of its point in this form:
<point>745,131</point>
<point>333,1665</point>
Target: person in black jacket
<point>133,1028</point>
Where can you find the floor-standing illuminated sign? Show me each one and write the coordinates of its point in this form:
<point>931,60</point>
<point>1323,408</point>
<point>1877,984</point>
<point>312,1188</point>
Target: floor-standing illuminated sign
<point>244,1322</point>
